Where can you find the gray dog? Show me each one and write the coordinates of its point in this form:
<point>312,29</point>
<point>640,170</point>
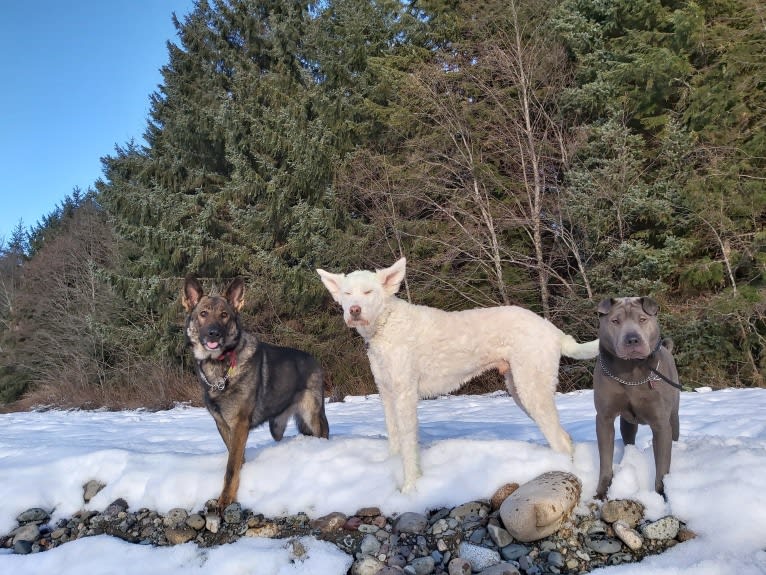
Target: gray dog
<point>636,378</point>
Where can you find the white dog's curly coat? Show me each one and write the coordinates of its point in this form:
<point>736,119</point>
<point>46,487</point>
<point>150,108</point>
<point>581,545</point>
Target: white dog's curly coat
<point>418,351</point>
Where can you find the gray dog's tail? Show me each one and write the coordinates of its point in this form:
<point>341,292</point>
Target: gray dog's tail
<point>570,348</point>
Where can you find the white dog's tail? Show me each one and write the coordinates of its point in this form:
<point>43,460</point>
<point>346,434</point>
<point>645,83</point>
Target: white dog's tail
<point>570,348</point>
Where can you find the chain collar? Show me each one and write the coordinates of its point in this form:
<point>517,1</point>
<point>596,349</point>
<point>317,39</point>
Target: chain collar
<point>648,379</point>
<point>220,384</point>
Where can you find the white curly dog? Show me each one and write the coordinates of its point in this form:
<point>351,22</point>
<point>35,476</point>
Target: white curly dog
<point>418,351</point>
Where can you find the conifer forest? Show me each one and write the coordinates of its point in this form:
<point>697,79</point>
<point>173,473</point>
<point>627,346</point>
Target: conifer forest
<point>544,153</point>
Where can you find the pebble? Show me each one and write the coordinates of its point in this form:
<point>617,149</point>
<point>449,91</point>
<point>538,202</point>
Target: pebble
<point>410,522</point>
<point>33,515</point>
<point>369,545</point>
<point>499,536</point>
<point>459,566</point>
<point>460,541</point>
<point>179,535</point>
<point>501,569</point>
<point>175,516</point>
<point>366,566</point>
<point>480,558</point>
<point>91,489</point>
<point>626,510</point>
<point>422,566</point>
<point>662,529</point>
<point>629,536</point>
<point>514,552</point>
<point>605,546</point>
<point>501,495</point>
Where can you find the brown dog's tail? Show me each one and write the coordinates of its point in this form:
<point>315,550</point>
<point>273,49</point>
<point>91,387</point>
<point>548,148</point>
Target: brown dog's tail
<point>570,348</point>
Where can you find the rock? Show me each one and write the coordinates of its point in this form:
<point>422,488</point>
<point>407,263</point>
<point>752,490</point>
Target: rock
<point>352,524</point>
<point>478,536</point>
<point>501,569</point>
<point>459,566</point>
<point>369,545</point>
<point>604,546</point>
<point>212,522</point>
<point>501,495</point>
<point>368,512</point>
<point>22,547</point>
<point>28,532</point>
<point>33,515</point>
<point>422,565</point>
<point>480,558</point>
<point>366,566</point>
<point>175,517</point>
<point>538,508</point>
<point>629,536</point>
<point>179,535</point>
<point>665,528</point>
<point>410,522</point>
<point>331,522</point>
<point>91,489</point>
<point>500,536</point>
<point>513,552</point>
<point>116,507</point>
<point>269,531</point>
<point>233,513</point>
<point>472,508</point>
<point>196,521</point>
<point>387,570</point>
<point>626,510</point>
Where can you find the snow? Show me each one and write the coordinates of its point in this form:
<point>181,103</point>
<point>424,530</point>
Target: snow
<point>470,446</point>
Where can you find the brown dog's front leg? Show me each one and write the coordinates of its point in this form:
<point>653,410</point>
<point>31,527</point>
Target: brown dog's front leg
<point>238,439</point>
<point>605,436</point>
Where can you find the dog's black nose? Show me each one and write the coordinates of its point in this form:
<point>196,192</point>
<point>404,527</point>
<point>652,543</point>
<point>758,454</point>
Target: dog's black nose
<point>213,333</point>
<point>632,339</point>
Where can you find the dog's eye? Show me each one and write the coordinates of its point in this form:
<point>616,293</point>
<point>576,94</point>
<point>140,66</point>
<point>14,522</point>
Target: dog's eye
<point>203,313</point>
<point>224,315</point>
<point>642,319</point>
<point>368,292</point>
<point>616,321</point>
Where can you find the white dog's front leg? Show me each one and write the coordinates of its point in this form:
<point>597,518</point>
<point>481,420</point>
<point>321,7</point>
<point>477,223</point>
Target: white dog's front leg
<point>407,413</point>
<point>389,411</point>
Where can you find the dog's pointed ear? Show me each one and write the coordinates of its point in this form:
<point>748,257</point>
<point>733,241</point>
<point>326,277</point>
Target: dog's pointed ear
<point>605,305</point>
<point>332,283</point>
<point>649,305</point>
<point>391,278</point>
<point>191,293</point>
<point>235,293</point>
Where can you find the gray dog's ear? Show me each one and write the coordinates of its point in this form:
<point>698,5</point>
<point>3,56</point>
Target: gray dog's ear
<point>650,306</point>
<point>235,293</point>
<point>191,294</point>
<point>605,306</point>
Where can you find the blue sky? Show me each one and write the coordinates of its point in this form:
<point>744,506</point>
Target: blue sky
<point>76,81</point>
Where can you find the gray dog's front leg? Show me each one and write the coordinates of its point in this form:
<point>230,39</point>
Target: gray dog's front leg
<point>605,436</point>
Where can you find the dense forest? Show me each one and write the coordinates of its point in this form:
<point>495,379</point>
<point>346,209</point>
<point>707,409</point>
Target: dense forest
<point>544,154</point>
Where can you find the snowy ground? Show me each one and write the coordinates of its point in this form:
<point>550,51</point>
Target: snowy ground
<point>470,446</point>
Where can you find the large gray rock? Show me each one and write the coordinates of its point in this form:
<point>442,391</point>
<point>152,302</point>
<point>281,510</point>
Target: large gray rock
<point>539,507</point>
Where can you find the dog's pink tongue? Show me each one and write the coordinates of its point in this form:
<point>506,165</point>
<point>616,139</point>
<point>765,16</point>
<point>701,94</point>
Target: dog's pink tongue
<point>212,345</point>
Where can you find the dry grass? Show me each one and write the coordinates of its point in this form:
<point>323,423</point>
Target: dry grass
<point>155,388</point>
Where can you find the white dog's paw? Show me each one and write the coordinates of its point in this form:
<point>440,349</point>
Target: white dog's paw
<point>408,487</point>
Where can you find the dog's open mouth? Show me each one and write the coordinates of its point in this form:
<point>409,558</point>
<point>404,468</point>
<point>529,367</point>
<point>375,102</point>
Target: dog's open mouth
<point>212,345</point>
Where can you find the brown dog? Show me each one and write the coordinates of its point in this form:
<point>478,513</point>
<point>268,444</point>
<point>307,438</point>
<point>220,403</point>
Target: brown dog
<point>626,382</point>
<point>248,382</point>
